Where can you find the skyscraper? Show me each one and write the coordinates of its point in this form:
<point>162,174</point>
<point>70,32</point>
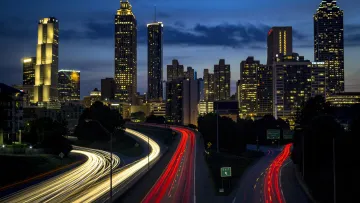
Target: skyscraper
<point>318,79</point>
<point>264,90</point>
<point>248,87</point>
<point>155,60</point>
<point>292,85</point>
<point>190,73</point>
<point>29,64</point>
<point>108,89</point>
<point>174,71</point>
<point>69,85</point>
<point>222,80</point>
<point>46,69</point>
<point>125,53</point>
<point>209,86</point>
<point>329,43</point>
<point>279,41</point>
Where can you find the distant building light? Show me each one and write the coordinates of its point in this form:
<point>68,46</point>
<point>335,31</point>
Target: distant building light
<point>318,63</point>
<point>27,60</point>
<point>69,71</point>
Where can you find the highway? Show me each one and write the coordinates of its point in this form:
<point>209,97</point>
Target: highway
<point>177,182</point>
<point>89,181</point>
<point>59,188</point>
<point>261,182</point>
<point>120,175</point>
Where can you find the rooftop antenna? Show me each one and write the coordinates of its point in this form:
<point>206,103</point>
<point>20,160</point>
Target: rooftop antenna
<point>155,14</point>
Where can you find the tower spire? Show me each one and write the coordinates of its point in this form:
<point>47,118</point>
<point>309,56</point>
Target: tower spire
<point>155,14</point>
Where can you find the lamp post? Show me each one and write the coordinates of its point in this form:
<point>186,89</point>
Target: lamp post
<point>111,159</point>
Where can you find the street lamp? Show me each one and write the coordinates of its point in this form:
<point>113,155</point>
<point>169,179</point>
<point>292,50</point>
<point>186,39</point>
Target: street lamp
<point>111,159</point>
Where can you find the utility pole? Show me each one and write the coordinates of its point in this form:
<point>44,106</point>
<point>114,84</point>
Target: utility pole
<point>148,153</point>
<point>217,127</point>
<point>334,169</point>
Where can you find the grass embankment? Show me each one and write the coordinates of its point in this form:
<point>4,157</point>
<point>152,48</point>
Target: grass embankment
<point>238,165</point>
<point>22,169</point>
<point>124,145</point>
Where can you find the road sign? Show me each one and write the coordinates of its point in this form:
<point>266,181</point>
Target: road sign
<point>288,134</point>
<point>273,134</point>
<point>61,155</point>
<point>209,145</point>
<point>225,172</point>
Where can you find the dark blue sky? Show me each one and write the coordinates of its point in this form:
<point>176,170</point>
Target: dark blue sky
<point>197,32</point>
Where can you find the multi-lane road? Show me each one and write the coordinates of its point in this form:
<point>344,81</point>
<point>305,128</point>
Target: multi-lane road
<point>177,182</point>
<point>89,181</point>
<point>63,186</point>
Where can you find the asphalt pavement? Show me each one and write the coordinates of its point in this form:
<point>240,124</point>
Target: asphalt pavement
<point>251,187</point>
<point>292,191</point>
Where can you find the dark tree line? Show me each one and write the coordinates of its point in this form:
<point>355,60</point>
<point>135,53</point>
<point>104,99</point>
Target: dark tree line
<point>318,135</point>
<point>231,136</point>
<point>48,134</point>
<point>88,127</point>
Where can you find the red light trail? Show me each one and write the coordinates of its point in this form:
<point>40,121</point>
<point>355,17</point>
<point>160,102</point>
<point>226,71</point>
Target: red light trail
<point>272,190</point>
<point>176,181</point>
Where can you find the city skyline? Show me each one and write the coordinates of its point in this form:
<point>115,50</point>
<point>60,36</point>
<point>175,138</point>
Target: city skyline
<point>178,47</point>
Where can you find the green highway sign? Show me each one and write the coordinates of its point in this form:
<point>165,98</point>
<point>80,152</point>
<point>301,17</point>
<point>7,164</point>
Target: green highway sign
<point>273,134</point>
<point>288,134</point>
<point>225,172</point>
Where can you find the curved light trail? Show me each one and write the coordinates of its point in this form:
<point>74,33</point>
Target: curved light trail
<point>59,188</point>
<point>272,189</point>
<point>120,175</point>
<point>176,183</point>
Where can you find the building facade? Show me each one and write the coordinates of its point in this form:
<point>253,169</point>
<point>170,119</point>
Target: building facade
<point>158,108</point>
<point>125,53</point>
<point>11,114</point>
<point>248,87</point>
<point>182,102</point>
<point>279,41</point>
<point>190,73</point>
<point>222,76</point>
<point>108,89</point>
<point>29,64</point>
<point>175,71</point>
<point>209,86</point>
<point>329,43</point>
<point>206,107</point>
<point>318,79</point>
<point>155,60</point>
<point>94,96</point>
<point>69,85</point>
<point>344,99</point>
<point>46,69</point>
<point>292,85</point>
<point>264,90</point>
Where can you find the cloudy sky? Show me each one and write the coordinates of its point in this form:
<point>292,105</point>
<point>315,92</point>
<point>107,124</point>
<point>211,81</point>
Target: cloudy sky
<point>196,32</point>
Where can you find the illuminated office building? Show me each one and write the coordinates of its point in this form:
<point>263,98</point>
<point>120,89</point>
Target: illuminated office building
<point>292,78</point>
<point>222,80</point>
<point>69,85</point>
<point>29,64</point>
<point>155,60</point>
<point>206,107</point>
<point>344,99</point>
<point>264,90</point>
<point>190,73</point>
<point>329,43</point>
<point>174,71</point>
<point>318,79</point>
<point>248,87</point>
<point>279,41</point>
<point>46,69</point>
<point>209,86</point>
<point>125,53</point>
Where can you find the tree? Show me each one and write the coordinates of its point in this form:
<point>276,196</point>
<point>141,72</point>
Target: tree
<point>155,119</point>
<point>88,127</point>
<point>139,116</point>
<point>231,139</point>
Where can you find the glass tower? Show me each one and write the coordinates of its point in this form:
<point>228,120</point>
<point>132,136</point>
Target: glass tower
<point>329,43</point>
<point>155,60</point>
<point>46,69</point>
<point>125,53</point>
